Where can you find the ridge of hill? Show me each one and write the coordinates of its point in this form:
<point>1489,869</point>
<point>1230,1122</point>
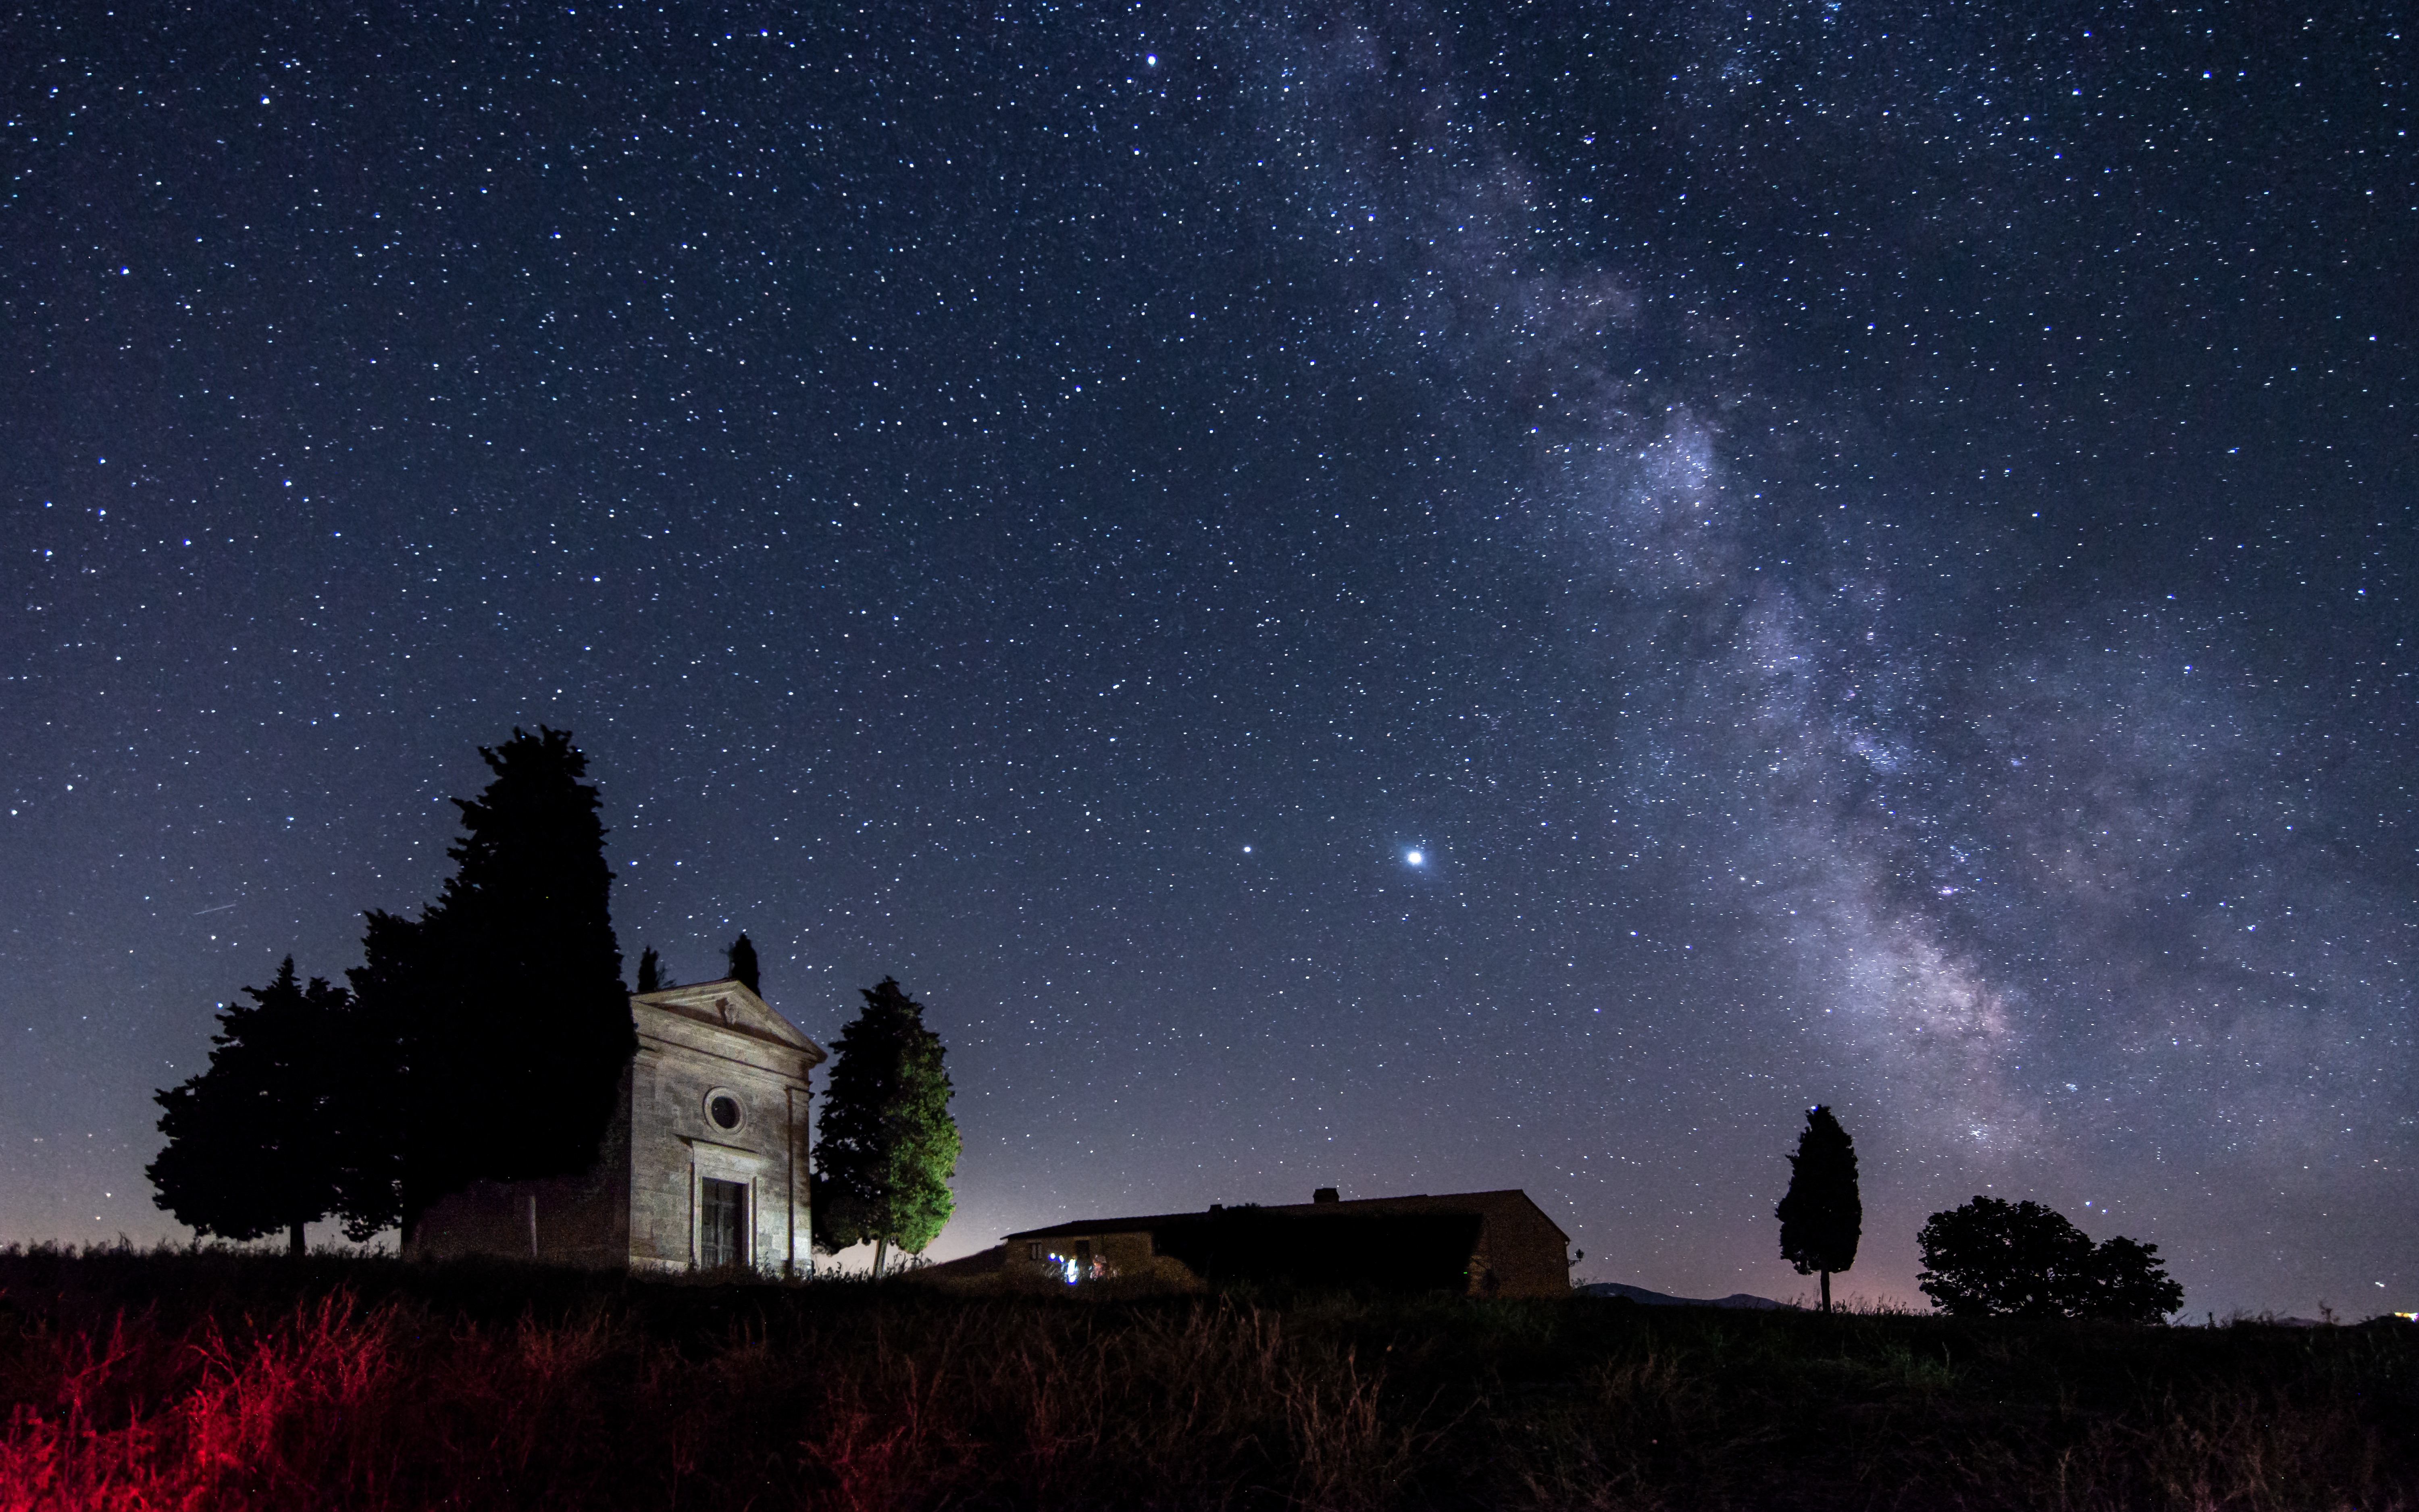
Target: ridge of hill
<point>1661,1299</point>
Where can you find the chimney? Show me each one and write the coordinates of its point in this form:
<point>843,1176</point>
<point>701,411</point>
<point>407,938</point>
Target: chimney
<point>1325,1193</point>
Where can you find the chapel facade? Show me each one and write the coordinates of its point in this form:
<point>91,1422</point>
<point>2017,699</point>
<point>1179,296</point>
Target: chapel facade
<point>704,1166</point>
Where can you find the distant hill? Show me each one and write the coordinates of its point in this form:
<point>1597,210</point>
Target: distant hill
<point>1657,1299</point>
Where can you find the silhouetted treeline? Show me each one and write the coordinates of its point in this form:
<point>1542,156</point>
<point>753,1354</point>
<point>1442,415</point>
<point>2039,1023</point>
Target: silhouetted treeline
<point>484,1038</point>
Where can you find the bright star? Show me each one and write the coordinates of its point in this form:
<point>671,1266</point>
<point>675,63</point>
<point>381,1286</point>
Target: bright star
<point>1412,856</point>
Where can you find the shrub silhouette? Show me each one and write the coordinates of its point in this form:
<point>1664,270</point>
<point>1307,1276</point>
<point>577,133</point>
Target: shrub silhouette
<point>2020,1259</point>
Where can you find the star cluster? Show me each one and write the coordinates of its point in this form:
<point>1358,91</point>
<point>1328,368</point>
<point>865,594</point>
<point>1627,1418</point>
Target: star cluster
<point>1400,598</point>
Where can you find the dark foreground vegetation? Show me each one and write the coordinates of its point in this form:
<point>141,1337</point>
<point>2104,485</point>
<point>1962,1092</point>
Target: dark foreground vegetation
<point>208,1379</point>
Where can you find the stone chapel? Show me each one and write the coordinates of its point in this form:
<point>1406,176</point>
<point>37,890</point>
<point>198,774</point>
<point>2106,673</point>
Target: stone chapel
<point>704,1166</point>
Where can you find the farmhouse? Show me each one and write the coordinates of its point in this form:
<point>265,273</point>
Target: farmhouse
<point>704,1166</point>
<point>1479,1244</point>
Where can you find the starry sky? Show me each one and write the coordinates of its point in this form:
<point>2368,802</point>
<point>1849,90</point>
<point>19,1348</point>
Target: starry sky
<point>1409,598</point>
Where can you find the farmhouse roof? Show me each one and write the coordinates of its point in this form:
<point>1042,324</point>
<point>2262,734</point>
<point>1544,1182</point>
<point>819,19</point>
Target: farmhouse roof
<point>1485,1203</point>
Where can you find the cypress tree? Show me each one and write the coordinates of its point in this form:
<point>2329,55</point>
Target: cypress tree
<point>741,965</point>
<point>1822,1218</point>
<point>503,1001</point>
<point>255,1143</point>
<point>651,971</point>
<point>887,1147</point>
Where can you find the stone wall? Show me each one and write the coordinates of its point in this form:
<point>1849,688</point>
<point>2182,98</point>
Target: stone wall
<point>677,1145</point>
<point>1488,1243</point>
<point>639,1205</point>
<point>1524,1248</point>
<point>1116,1252</point>
<point>580,1219</point>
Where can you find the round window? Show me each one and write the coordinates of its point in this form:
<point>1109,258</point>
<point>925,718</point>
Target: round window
<point>723,1109</point>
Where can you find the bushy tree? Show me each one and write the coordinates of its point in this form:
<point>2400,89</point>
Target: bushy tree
<point>887,1147</point>
<point>1822,1217</point>
<point>740,964</point>
<point>2126,1284</point>
<point>1992,1256</point>
<point>503,1003</point>
<point>266,1139</point>
<point>1996,1258</point>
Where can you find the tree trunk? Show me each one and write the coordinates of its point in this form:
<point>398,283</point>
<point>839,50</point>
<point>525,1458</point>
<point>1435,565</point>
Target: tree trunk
<point>294,1238</point>
<point>1827,1291</point>
<point>881,1253</point>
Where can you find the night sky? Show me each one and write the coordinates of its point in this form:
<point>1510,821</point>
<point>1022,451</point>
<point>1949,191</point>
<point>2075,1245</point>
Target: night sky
<point>1410,599</point>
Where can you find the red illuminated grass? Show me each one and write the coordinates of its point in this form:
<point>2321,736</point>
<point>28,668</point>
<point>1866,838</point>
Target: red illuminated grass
<point>202,1379</point>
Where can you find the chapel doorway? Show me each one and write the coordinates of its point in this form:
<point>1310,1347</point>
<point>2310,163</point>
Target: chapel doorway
<point>722,1229</point>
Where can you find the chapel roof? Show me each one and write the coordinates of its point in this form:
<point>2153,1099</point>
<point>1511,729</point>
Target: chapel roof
<point>732,1006</point>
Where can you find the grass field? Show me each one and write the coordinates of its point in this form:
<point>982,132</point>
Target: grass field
<point>207,1380</point>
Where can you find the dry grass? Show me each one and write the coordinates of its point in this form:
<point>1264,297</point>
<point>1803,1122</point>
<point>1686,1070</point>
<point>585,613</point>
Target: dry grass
<point>208,1380</point>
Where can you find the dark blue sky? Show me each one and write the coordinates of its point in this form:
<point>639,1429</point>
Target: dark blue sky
<point>1867,547</point>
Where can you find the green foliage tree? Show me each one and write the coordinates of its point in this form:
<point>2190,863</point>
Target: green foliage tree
<point>740,964</point>
<point>1822,1217</point>
<point>503,1005</point>
<point>887,1145</point>
<point>1996,1258</point>
<point>262,1140</point>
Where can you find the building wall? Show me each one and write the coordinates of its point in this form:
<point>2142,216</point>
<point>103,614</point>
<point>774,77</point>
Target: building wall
<point>1521,1249</point>
<point>1116,1253</point>
<point>639,1205</point>
<point>677,1147</point>
<point>1529,1255</point>
<point>581,1219</point>
<point>1527,1252</point>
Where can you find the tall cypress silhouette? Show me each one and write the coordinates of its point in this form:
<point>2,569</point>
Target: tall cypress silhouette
<point>1822,1218</point>
<point>504,999</point>
<point>651,971</point>
<point>742,964</point>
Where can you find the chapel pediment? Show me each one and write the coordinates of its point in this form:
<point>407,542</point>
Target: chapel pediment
<point>729,1005</point>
